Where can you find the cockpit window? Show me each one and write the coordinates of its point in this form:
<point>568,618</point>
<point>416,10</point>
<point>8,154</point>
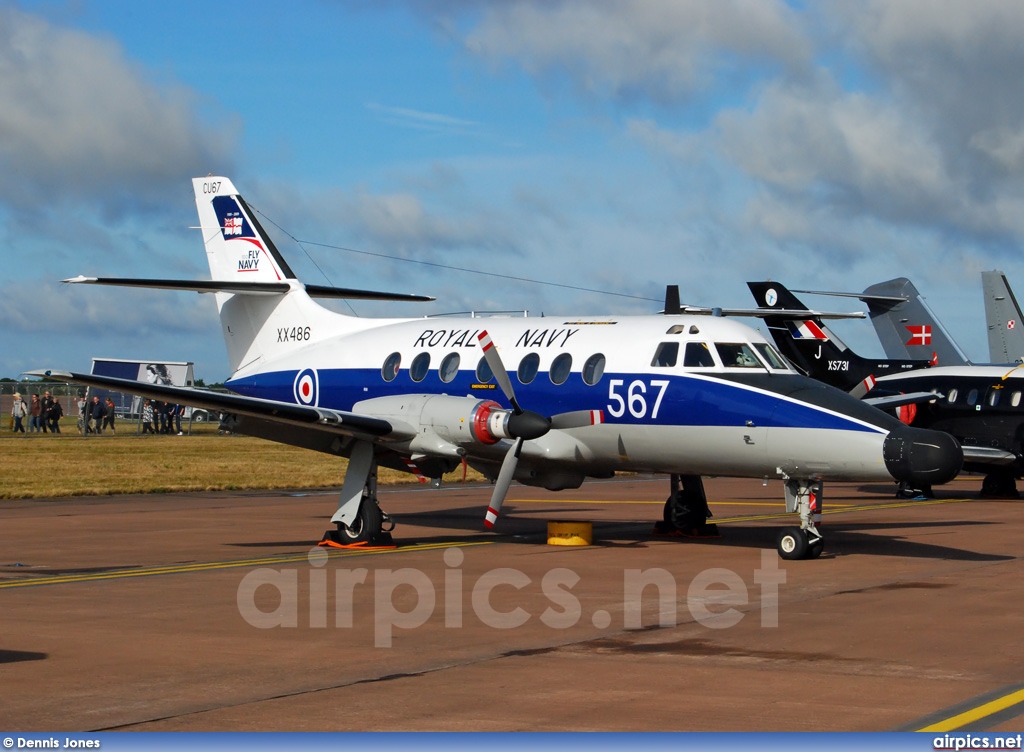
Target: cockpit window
<point>769,354</point>
<point>738,355</point>
<point>666,355</point>
<point>698,355</point>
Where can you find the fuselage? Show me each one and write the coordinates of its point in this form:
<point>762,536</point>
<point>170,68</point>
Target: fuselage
<point>979,405</point>
<point>679,394</point>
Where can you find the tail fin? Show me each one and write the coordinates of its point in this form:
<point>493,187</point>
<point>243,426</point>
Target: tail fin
<point>814,349</point>
<point>237,247</point>
<point>906,325</point>
<point>259,326</point>
<point>1004,319</point>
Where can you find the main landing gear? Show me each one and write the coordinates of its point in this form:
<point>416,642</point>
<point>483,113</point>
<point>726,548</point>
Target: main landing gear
<point>1000,485</point>
<point>804,542</point>
<point>359,518</point>
<point>686,510</point>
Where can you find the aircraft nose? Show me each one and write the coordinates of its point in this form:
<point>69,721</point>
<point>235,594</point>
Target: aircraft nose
<point>922,457</point>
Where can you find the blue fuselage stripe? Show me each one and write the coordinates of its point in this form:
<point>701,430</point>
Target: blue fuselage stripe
<point>685,401</point>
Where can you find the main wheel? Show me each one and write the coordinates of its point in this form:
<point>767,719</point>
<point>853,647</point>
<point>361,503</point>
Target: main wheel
<point>792,543</point>
<point>814,549</point>
<point>365,526</point>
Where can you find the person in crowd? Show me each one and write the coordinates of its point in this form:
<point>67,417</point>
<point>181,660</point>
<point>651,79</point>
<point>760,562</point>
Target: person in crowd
<point>147,417</point>
<point>18,412</point>
<point>35,413</point>
<point>54,414</point>
<point>96,414</point>
<point>83,413</point>
<point>108,418</point>
<point>45,411</point>
<point>179,413</point>
<point>161,416</point>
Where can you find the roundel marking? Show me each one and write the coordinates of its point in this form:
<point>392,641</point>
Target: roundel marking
<point>306,387</point>
<point>771,297</point>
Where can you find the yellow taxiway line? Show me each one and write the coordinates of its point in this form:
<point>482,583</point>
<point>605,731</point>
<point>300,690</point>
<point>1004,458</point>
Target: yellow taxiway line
<point>206,566</point>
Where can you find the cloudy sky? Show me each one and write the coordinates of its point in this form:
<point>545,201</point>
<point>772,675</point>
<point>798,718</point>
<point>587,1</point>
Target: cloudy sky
<point>608,148</point>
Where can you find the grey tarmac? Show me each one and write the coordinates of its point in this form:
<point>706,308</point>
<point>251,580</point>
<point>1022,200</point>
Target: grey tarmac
<point>124,613</point>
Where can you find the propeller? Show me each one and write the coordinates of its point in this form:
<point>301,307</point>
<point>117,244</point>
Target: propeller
<point>523,425</point>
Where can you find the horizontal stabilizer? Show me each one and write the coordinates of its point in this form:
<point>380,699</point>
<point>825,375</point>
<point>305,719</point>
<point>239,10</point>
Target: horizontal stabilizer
<point>248,288</point>
<point>798,313</point>
<point>859,295</point>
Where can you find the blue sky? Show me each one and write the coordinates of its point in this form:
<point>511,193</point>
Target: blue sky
<point>614,146</point>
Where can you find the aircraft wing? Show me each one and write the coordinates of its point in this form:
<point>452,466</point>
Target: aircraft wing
<point>336,422</point>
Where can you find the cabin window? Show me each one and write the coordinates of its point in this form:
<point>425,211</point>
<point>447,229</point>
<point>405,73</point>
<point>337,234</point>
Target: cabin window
<point>972,397</point>
<point>528,368</point>
<point>593,369</point>
<point>666,355</point>
<point>449,368</point>
<point>698,355</point>
<point>737,355</point>
<point>771,355</point>
<point>952,396</point>
<point>390,368</point>
<point>420,366</point>
<point>560,368</point>
<point>993,398</point>
<point>483,371</point>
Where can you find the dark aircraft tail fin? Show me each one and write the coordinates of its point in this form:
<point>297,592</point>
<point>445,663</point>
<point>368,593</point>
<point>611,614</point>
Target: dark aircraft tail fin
<point>814,349</point>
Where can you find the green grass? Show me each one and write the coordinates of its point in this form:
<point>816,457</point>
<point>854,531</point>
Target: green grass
<point>68,464</point>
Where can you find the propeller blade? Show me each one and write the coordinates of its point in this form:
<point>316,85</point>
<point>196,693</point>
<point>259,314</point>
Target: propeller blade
<point>498,369</point>
<point>577,419</point>
<point>504,480</point>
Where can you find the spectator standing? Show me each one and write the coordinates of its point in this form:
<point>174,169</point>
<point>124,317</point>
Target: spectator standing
<point>44,414</point>
<point>18,411</point>
<point>96,414</point>
<point>54,414</point>
<point>35,415</point>
<point>108,418</point>
<point>179,412</point>
<point>147,417</point>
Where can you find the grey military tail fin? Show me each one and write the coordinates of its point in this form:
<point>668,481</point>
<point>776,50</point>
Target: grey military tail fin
<point>906,326</point>
<point>1003,317</point>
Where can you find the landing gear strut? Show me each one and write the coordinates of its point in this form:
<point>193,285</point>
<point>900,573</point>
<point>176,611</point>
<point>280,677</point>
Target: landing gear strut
<point>804,542</point>
<point>686,510</point>
<point>359,518</point>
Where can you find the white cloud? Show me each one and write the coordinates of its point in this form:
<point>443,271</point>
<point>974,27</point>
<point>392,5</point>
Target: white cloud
<point>79,120</point>
<point>662,49</point>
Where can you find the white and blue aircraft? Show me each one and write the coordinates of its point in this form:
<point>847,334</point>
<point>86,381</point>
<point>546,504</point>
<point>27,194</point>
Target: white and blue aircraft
<point>681,394</point>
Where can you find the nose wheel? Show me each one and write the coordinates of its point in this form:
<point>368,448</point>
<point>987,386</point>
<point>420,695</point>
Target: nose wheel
<point>795,543</point>
<point>804,542</point>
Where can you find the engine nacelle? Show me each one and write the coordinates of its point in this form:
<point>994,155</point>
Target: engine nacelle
<point>455,420</point>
